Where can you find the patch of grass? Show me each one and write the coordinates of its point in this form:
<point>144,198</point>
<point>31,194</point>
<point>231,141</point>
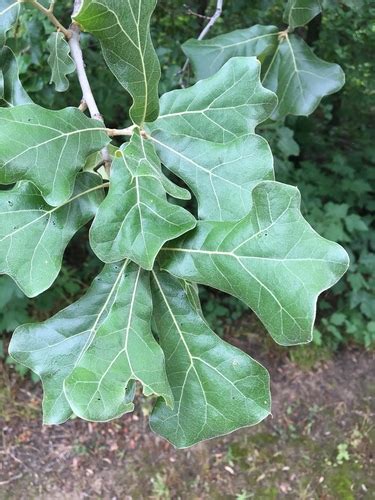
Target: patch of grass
<point>307,356</point>
<point>243,495</point>
<point>340,483</point>
<point>270,493</point>
<point>80,449</point>
<point>160,489</point>
<point>9,406</point>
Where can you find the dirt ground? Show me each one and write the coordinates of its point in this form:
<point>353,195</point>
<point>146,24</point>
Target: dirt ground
<point>319,443</point>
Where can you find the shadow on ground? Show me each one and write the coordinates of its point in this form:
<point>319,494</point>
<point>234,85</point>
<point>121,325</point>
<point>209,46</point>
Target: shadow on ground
<point>318,444</point>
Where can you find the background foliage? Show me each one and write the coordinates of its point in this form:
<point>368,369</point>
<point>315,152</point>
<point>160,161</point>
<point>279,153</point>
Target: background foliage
<point>329,156</point>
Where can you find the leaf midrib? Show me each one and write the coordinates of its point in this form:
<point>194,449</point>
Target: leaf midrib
<point>36,146</point>
<point>92,330</point>
<point>243,42</point>
<point>137,46</point>
<point>192,358</point>
<point>48,212</point>
<point>15,4</point>
<point>125,348</point>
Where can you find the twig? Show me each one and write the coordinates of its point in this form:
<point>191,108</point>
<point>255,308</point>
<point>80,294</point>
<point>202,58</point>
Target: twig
<point>113,132</point>
<point>13,478</point>
<point>129,131</point>
<point>87,95</point>
<point>82,106</point>
<point>206,29</point>
<point>52,5</point>
<point>77,56</point>
<point>212,21</point>
<point>195,14</point>
<point>76,6</point>
<point>49,13</point>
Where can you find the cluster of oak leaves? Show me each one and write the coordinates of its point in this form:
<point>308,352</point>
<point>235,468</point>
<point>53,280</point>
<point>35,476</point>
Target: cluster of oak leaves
<point>140,320</point>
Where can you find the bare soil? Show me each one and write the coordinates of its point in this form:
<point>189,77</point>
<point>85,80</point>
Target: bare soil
<point>319,443</point>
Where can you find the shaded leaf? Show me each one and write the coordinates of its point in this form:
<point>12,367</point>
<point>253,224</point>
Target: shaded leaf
<point>300,12</point>
<point>299,78</point>
<point>192,293</point>
<point>123,28</point>
<point>47,147</point>
<point>52,348</point>
<point>95,159</point>
<point>220,175</point>
<point>60,61</point>
<point>136,219</point>
<point>9,11</point>
<point>122,350</point>
<point>216,387</point>
<point>208,56</point>
<point>34,235</point>
<point>271,259</point>
<point>286,142</point>
<point>11,91</point>
<point>225,106</point>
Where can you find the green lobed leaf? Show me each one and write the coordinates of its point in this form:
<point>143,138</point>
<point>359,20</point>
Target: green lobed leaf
<point>122,350</point>
<point>300,12</point>
<point>271,259</point>
<point>136,219</point>
<point>299,78</point>
<point>220,175</point>
<point>9,11</point>
<point>11,91</point>
<point>225,106</point>
<point>47,147</point>
<point>208,56</point>
<point>60,61</point>
<point>52,348</point>
<point>216,387</point>
<point>123,28</point>
<point>34,235</point>
<point>205,135</point>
